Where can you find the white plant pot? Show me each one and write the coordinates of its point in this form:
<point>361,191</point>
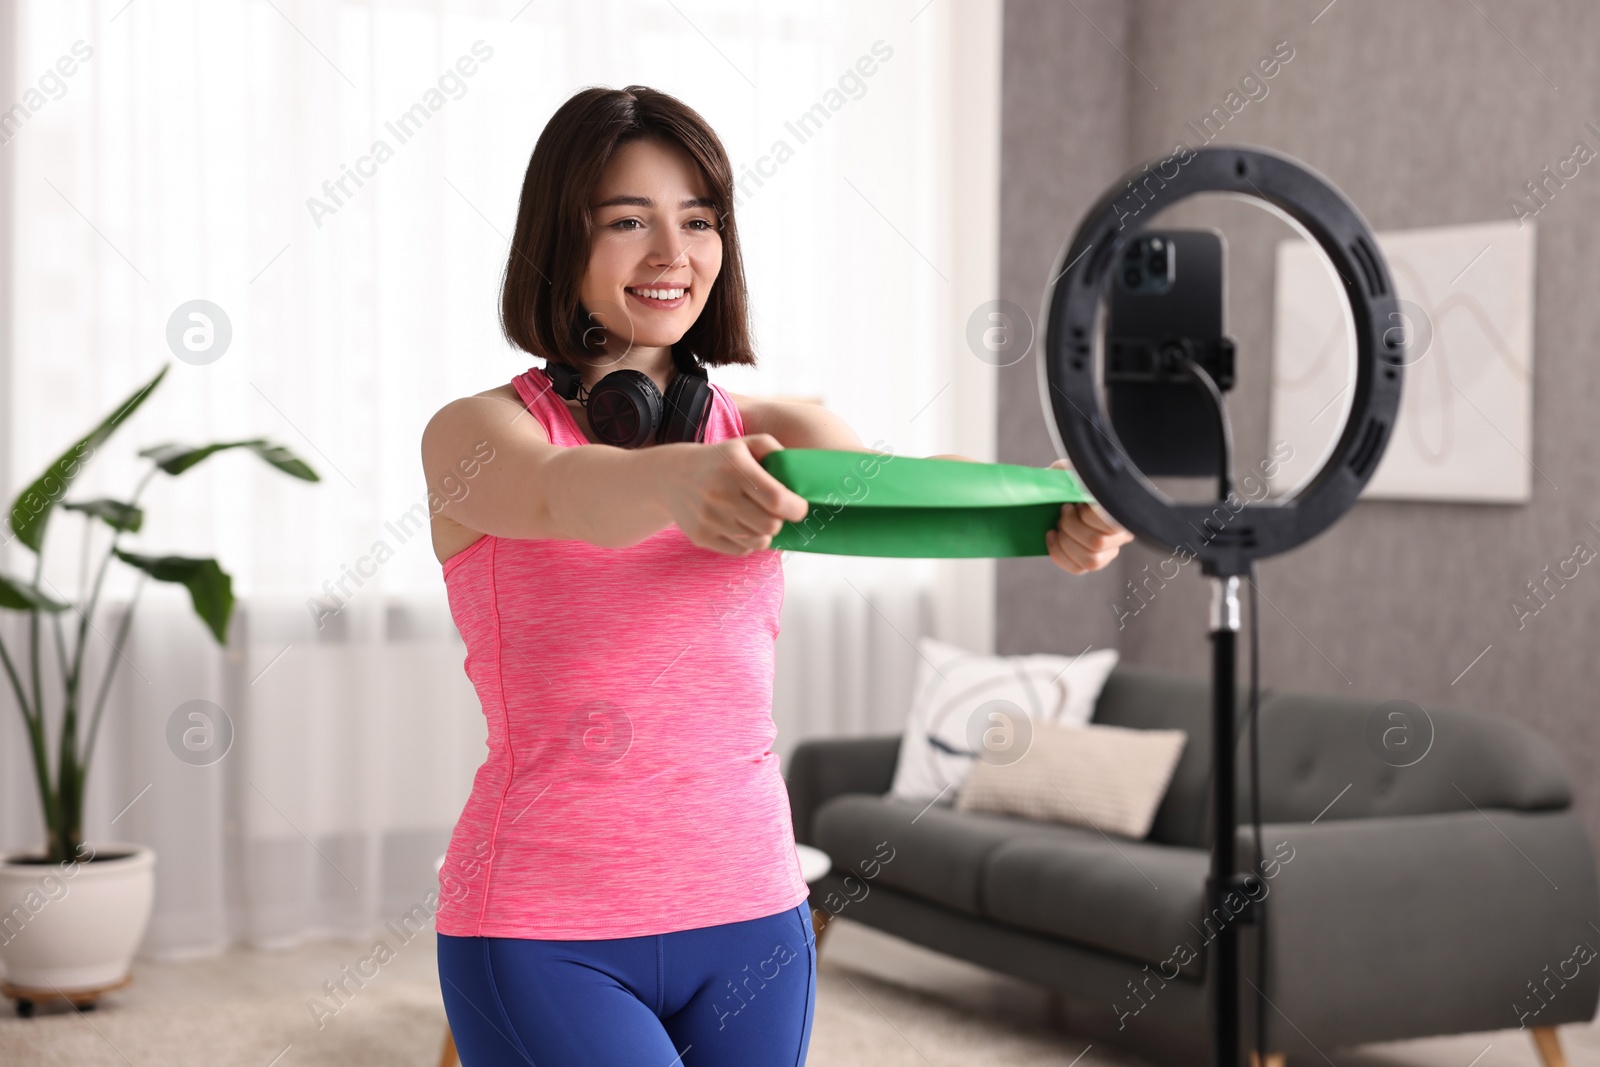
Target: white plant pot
<point>75,925</point>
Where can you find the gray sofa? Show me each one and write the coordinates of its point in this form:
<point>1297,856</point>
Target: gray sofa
<point>1453,895</point>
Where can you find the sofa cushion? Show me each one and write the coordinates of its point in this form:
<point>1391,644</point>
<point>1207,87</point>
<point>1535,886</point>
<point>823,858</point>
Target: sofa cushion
<point>1148,699</point>
<point>938,853</point>
<point>956,700</point>
<point>1098,777</point>
<point>1317,749</point>
<point>1133,898</point>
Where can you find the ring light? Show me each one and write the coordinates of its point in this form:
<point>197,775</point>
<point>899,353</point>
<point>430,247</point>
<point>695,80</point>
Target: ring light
<point>1067,385</point>
<point>1080,427</point>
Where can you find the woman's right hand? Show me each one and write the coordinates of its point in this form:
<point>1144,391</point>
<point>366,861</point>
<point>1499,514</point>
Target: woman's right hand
<point>723,499</point>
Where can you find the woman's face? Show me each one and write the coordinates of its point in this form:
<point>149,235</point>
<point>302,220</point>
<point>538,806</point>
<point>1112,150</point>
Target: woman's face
<point>656,249</point>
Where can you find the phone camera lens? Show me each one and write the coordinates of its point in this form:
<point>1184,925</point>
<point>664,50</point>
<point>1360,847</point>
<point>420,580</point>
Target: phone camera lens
<point>1158,263</point>
<point>1131,277</point>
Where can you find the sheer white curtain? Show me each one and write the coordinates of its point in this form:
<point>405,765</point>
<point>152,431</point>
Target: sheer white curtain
<point>229,151</point>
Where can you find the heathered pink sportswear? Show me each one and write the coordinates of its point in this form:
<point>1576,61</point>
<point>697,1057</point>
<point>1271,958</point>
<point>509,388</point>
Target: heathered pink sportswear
<point>630,786</point>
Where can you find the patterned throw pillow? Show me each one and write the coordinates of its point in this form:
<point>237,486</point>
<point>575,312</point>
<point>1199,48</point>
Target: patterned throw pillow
<point>1106,778</point>
<point>964,701</point>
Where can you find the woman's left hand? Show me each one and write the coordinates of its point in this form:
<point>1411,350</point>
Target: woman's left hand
<point>1085,539</point>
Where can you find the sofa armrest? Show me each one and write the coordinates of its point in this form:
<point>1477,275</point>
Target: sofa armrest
<point>1383,929</point>
<point>822,769</point>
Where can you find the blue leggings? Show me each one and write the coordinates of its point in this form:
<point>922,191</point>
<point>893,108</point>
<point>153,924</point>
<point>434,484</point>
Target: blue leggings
<point>740,993</point>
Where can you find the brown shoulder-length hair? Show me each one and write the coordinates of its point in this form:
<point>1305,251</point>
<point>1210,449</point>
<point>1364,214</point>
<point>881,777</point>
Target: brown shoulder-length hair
<point>540,311</point>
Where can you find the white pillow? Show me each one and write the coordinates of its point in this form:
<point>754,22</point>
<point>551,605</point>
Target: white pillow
<point>1106,778</point>
<point>948,705</point>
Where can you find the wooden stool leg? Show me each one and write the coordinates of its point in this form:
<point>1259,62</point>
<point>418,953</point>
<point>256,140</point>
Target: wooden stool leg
<point>1272,1059</point>
<point>1549,1046</point>
<point>447,1055</point>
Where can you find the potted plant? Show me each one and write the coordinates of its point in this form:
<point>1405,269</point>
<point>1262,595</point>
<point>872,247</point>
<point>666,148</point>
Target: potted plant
<point>72,914</point>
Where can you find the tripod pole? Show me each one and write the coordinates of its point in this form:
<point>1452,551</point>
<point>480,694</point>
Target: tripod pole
<point>1224,964</point>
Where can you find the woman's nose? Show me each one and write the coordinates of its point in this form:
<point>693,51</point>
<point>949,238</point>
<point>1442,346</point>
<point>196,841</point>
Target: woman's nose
<point>670,251</point>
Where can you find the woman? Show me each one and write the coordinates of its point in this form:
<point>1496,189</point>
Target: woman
<point>622,887</point>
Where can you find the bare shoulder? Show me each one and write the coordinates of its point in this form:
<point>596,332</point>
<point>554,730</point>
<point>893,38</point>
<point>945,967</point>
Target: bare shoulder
<point>459,431</point>
<point>505,391</point>
<point>796,422</point>
<point>470,412</point>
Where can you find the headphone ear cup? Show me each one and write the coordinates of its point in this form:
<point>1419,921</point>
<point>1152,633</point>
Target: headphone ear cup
<point>625,408</point>
<point>688,409</point>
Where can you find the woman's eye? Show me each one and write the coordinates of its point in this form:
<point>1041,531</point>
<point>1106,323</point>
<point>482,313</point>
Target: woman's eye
<point>699,225</point>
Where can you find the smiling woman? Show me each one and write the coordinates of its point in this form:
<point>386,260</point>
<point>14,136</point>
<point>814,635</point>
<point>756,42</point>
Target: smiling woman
<point>648,568</point>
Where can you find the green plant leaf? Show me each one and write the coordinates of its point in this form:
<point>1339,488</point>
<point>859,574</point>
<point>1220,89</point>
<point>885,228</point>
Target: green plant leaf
<point>20,597</point>
<point>210,588</point>
<point>116,514</point>
<point>176,458</point>
<point>286,461</point>
<point>30,512</point>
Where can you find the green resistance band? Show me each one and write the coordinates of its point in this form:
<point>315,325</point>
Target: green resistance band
<point>880,504</point>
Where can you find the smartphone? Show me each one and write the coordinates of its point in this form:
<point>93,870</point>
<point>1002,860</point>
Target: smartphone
<point>1167,299</point>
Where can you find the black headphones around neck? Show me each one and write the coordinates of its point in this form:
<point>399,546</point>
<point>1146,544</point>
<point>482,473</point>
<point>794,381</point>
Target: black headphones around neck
<point>627,410</point>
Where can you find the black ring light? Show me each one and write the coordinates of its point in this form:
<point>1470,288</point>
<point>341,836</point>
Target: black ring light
<point>1080,427</point>
<point>1074,414</point>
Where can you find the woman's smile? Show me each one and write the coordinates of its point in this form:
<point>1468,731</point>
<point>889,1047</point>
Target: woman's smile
<point>660,297</point>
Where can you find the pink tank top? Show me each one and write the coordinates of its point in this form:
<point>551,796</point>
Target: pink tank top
<point>630,785</point>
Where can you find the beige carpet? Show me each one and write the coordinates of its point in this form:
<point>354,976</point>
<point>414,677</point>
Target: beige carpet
<point>398,1025</point>
<point>880,1002</point>
<point>863,1020</point>
<point>860,1020</point>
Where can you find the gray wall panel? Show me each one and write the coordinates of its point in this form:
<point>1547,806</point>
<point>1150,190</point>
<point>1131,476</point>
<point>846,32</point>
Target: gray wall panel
<point>1064,130</point>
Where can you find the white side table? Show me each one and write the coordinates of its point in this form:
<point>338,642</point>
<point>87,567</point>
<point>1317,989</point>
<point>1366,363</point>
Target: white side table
<point>814,863</point>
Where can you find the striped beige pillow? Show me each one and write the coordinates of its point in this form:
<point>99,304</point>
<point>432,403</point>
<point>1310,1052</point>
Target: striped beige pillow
<point>1108,778</point>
